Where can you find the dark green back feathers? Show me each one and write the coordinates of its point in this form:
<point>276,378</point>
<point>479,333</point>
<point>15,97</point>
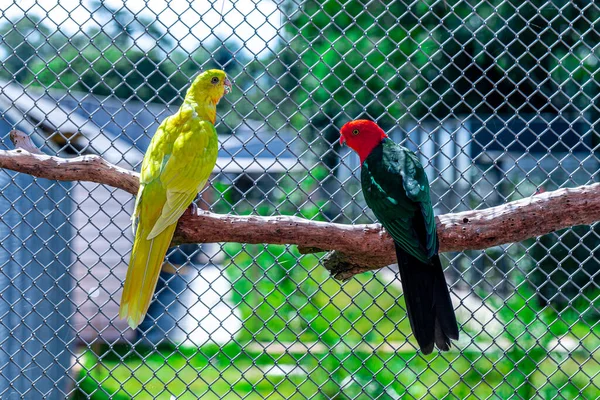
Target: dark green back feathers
<point>396,188</point>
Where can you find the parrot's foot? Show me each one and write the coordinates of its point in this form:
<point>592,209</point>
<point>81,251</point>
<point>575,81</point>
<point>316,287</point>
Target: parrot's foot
<point>192,210</point>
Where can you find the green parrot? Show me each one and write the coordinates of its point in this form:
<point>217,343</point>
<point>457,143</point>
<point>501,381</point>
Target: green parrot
<point>396,189</point>
<point>176,166</point>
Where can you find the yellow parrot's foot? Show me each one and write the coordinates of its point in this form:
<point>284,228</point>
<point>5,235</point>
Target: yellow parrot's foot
<point>192,209</point>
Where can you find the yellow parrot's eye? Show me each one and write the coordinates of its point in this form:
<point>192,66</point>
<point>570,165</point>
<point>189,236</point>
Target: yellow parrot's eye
<point>214,80</point>
<point>355,132</point>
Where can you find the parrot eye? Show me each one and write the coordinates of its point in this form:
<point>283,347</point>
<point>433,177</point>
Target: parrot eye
<point>214,80</point>
<point>355,132</point>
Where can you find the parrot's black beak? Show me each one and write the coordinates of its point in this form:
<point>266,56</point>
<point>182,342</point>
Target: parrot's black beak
<point>228,85</point>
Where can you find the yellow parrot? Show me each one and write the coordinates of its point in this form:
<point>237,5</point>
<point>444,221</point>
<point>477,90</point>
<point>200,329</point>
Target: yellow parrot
<point>181,156</point>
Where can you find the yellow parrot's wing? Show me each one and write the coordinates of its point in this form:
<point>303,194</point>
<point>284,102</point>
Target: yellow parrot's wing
<point>186,171</point>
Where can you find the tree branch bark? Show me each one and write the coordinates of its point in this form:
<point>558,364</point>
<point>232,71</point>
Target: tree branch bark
<point>353,248</point>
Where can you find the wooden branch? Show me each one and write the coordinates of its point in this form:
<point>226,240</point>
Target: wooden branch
<point>28,159</point>
<point>354,248</point>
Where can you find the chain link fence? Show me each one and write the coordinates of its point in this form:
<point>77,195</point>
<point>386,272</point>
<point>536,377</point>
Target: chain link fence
<point>498,98</point>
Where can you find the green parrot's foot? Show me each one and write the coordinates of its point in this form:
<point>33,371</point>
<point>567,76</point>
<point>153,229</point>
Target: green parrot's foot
<point>192,209</point>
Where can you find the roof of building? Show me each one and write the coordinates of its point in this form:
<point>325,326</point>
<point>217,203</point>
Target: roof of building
<point>120,130</point>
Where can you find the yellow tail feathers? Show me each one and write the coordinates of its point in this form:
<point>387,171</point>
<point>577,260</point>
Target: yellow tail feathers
<point>144,268</point>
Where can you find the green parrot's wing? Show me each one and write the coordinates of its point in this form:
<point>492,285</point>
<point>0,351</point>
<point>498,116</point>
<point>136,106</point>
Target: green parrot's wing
<point>416,185</point>
<point>186,171</point>
<point>397,190</point>
<point>151,193</point>
<point>182,143</point>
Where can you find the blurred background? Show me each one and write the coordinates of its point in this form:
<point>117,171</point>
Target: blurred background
<point>498,97</point>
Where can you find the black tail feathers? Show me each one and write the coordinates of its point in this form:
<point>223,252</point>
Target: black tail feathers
<point>428,303</point>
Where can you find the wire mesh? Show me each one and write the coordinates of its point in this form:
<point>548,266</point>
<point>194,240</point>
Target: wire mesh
<point>499,99</point>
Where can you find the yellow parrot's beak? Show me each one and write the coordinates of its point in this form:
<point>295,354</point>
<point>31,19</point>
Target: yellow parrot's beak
<point>228,85</point>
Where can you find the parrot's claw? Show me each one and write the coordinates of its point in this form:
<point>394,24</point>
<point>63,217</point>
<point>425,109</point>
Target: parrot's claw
<point>192,209</point>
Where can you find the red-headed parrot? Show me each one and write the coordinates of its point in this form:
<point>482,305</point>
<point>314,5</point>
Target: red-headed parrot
<point>176,166</point>
<point>397,191</point>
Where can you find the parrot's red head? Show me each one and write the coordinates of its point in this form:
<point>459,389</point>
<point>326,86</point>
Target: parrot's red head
<point>362,136</point>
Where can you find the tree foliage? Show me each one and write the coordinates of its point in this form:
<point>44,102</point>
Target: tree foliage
<point>104,61</point>
<point>434,59</point>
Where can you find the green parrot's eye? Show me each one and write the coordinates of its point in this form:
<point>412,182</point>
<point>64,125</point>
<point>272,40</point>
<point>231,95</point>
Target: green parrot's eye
<point>214,80</point>
<point>355,132</point>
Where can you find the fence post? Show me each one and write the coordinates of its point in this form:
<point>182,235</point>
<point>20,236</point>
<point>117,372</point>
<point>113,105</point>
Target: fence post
<point>35,285</point>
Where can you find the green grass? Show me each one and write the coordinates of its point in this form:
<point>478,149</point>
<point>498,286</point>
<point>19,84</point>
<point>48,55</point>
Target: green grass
<point>234,372</point>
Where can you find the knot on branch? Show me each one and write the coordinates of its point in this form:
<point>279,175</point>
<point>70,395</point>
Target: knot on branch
<point>23,141</point>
